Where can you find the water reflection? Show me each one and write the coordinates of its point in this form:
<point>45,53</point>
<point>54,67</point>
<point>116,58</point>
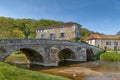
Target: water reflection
<point>108,67</point>
<point>110,70</point>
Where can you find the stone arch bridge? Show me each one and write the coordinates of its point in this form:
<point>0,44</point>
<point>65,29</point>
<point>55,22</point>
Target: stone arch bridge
<point>47,52</point>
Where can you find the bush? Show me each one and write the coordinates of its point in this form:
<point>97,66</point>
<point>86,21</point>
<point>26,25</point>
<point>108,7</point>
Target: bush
<point>110,56</point>
<point>97,56</point>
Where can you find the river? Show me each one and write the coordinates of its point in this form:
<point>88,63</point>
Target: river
<point>110,70</point>
<point>94,70</point>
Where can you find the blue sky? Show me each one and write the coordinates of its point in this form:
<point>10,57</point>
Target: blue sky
<point>97,15</point>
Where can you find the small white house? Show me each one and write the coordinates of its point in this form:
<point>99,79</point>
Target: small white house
<point>108,42</point>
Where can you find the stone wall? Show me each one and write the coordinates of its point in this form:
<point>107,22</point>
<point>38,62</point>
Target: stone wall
<point>48,49</point>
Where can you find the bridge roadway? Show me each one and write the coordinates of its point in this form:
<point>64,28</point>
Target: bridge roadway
<point>48,52</point>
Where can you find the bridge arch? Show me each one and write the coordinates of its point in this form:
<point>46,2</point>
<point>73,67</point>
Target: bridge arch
<point>31,54</point>
<point>66,54</point>
<point>90,54</point>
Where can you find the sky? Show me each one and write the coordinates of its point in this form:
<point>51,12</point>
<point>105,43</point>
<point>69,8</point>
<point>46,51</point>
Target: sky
<point>101,16</point>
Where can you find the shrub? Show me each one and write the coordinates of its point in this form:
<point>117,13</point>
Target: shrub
<point>110,56</point>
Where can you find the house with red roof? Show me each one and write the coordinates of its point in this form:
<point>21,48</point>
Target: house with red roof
<point>108,42</point>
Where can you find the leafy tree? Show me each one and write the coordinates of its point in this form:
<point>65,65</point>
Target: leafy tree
<point>118,33</point>
<point>17,34</point>
<point>85,33</point>
<point>26,28</point>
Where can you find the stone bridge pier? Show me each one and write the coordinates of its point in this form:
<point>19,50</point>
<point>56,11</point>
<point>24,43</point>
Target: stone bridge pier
<point>45,52</point>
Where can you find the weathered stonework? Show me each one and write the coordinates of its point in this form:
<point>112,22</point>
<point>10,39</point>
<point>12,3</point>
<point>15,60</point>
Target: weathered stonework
<point>47,49</point>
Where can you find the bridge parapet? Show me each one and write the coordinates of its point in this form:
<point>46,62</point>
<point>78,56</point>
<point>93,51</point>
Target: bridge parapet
<point>95,49</point>
<point>37,41</point>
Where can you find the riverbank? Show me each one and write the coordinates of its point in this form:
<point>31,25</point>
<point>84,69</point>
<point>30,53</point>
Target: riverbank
<point>110,56</point>
<point>95,70</point>
<point>74,72</point>
<point>8,72</point>
<point>17,58</point>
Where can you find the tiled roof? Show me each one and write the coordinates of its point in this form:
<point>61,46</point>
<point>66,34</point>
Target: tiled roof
<point>59,25</point>
<point>109,37</point>
<point>94,36</point>
<point>98,36</point>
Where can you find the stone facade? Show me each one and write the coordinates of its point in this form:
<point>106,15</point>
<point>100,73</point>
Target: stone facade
<point>108,42</point>
<point>45,52</point>
<point>65,31</point>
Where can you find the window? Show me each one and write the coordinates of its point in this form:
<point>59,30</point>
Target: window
<point>42,30</point>
<point>108,43</point>
<point>115,43</point>
<point>62,27</point>
<point>51,36</point>
<point>38,31</point>
<point>42,36</point>
<point>62,35</point>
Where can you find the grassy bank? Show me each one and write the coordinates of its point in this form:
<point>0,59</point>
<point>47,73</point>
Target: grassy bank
<point>17,58</point>
<point>8,72</point>
<point>110,56</point>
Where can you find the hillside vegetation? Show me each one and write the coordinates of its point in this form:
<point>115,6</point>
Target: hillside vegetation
<point>8,72</point>
<point>26,28</point>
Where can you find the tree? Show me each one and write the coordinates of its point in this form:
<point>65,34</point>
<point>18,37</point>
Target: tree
<point>118,33</point>
<point>26,28</point>
<point>85,33</point>
<point>17,34</point>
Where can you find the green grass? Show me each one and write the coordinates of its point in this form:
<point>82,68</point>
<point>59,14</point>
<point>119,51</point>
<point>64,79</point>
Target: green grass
<point>110,56</point>
<point>17,58</point>
<point>9,72</point>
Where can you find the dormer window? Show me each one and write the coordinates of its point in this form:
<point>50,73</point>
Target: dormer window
<point>42,30</point>
<point>38,31</point>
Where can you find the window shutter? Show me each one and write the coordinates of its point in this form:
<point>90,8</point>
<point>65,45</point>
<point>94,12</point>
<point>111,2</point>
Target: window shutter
<point>64,34</point>
<point>54,36</point>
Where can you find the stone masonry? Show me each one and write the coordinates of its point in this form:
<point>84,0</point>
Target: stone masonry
<point>47,49</point>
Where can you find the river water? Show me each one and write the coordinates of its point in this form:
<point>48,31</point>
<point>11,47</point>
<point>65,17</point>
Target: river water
<point>110,70</point>
<point>95,70</point>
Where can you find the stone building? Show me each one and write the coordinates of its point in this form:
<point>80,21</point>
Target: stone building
<point>108,42</point>
<point>65,31</point>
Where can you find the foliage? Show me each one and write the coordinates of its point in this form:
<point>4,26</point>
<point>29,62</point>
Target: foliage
<point>26,28</point>
<point>97,56</point>
<point>8,72</point>
<point>85,33</point>
<point>110,56</point>
<point>118,33</point>
<point>17,52</point>
<point>22,28</point>
<point>17,34</point>
<point>75,39</point>
<point>65,54</point>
